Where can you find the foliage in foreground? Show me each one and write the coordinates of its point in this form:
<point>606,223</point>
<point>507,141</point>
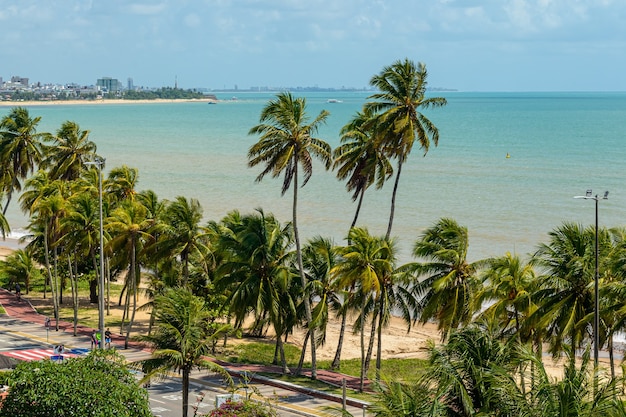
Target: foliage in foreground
<point>245,408</point>
<point>96,385</point>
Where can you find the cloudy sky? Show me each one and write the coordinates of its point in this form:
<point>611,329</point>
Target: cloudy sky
<point>469,45</point>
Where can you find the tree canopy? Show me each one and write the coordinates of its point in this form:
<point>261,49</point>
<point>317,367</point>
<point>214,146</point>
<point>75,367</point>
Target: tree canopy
<point>99,384</point>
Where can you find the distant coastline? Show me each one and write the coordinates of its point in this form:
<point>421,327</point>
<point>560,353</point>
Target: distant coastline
<point>30,103</point>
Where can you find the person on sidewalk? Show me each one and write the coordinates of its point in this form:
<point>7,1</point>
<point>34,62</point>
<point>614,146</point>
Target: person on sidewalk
<point>107,338</point>
<point>94,340</point>
<point>18,291</point>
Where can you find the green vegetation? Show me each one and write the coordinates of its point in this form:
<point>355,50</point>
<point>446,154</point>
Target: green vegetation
<point>98,384</point>
<point>204,279</point>
<point>167,93</point>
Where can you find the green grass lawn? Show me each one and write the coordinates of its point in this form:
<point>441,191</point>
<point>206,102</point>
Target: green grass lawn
<point>263,353</point>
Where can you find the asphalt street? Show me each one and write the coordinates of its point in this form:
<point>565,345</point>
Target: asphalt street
<point>32,341</point>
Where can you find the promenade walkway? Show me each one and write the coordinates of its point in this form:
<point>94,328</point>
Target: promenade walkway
<point>22,310</point>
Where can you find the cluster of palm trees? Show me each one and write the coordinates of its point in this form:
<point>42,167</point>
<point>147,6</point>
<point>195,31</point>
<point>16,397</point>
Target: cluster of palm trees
<point>253,266</point>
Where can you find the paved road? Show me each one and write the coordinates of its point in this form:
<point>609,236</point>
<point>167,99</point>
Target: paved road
<point>165,395</point>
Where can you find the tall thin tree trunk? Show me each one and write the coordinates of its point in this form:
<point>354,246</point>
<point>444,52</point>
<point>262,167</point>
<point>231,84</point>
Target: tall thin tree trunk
<point>379,347</point>
<point>74,291</point>
<point>307,301</point>
<point>307,337</point>
<point>370,347</point>
<point>358,209</point>
<point>134,285</point>
<point>185,388</point>
<point>393,200</point>
<point>337,359</point>
<point>55,304</point>
<point>362,376</point>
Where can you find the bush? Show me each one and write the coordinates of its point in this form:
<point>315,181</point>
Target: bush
<point>246,408</point>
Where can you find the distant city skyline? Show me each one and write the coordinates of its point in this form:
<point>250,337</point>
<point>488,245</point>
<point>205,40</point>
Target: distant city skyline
<point>468,45</point>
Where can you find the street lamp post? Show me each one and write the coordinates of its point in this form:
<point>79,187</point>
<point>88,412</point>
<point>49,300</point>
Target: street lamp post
<point>596,314</point>
<point>99,163</point>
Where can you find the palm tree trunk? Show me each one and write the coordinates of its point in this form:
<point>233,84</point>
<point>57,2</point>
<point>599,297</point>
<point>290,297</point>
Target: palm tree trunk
<point>358,209</point>
<point>370,347</point>
<point>134,286</point>
<point>337,359</point>
<point>48,269</point>
<point>393,200</point>
<point>185,388</point>
<point>362,376</point>
<point>303,352</point>
<point>379,347</point>
<point>307,301</point>
<point>74,291</point>
<point>611,355</point>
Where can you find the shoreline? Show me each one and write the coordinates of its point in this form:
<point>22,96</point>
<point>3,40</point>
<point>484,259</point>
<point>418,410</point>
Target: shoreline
<point>34,103</point>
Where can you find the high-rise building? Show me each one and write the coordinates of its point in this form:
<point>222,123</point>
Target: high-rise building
<point>19,80</point>
<point>109,84</point>
<point>131,86</point>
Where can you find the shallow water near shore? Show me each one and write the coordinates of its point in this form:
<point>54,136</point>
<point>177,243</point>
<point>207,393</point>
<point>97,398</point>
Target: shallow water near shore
<point>559,145</point>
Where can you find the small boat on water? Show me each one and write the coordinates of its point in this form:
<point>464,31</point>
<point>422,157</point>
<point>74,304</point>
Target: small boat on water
<point>333,100</point>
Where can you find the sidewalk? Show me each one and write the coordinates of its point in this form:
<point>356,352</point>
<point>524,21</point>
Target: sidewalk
<point>35,327</point>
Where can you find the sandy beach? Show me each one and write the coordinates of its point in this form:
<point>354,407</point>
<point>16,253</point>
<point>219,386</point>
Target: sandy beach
<point>397,342</point>
<point>100,101</point>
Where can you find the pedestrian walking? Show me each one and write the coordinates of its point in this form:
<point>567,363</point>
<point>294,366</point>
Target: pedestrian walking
<point>18,291</point>
<point>94,340</point>
<point>107,338</point>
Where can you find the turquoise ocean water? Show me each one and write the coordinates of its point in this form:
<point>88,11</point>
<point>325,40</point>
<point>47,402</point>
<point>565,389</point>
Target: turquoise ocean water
<point>560,144</point>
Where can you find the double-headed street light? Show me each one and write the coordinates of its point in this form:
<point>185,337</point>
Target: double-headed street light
<point>596,314</point>
<point>99,163</point>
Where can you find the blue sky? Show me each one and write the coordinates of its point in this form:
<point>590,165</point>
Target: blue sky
<point>469,45</point>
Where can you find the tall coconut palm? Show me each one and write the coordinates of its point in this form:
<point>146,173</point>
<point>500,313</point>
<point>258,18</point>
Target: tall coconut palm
<point>447,291</point>
<point>5,228</point>
<point>120,183</point>
<point>20,267</point>
<point>565,298</point>
<point>509,283</point>
<point>319,256</point>
<point>257,271</point>
<point>360,158</point>
<point>181,340</point>
<point>182,234</point>
<point>359,267</point>
<point>69,151</point>
<point>286,145</point>
<point>129,227</point>
<point>402,90</point>
<point>20,149</point>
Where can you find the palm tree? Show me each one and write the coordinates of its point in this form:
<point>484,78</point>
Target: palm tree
<point>319,256</point>
<point>181,340</point>
<point>565,298</point>
<point>20,267</point>
<point>129,227</point>
<point>447,292</point>
<point>508,284</point>
<point>286,144</point>
<point>402,87</point>
<point>70,150</point>
<point>4,226</point>
<point>359,268</point>
<point>182,235</point>
<point>120,183</point>
<point>20,149</point>
<point>256,271</point>
<point>360,158</point>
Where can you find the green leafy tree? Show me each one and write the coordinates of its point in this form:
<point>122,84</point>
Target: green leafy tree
<point>402,94</point>
<point>257,272</point>
<point>99,384</point>
<point>181,339</point>
<point>20,149</point>
<point>286,146</point>
<point>565,298</point>
<point>20,267</point>
<point>448,290</point>
<point>359,159</point>
<point>69,151</point>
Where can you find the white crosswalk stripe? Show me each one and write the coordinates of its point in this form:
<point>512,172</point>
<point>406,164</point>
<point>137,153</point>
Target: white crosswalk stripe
<point>33,354</point>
